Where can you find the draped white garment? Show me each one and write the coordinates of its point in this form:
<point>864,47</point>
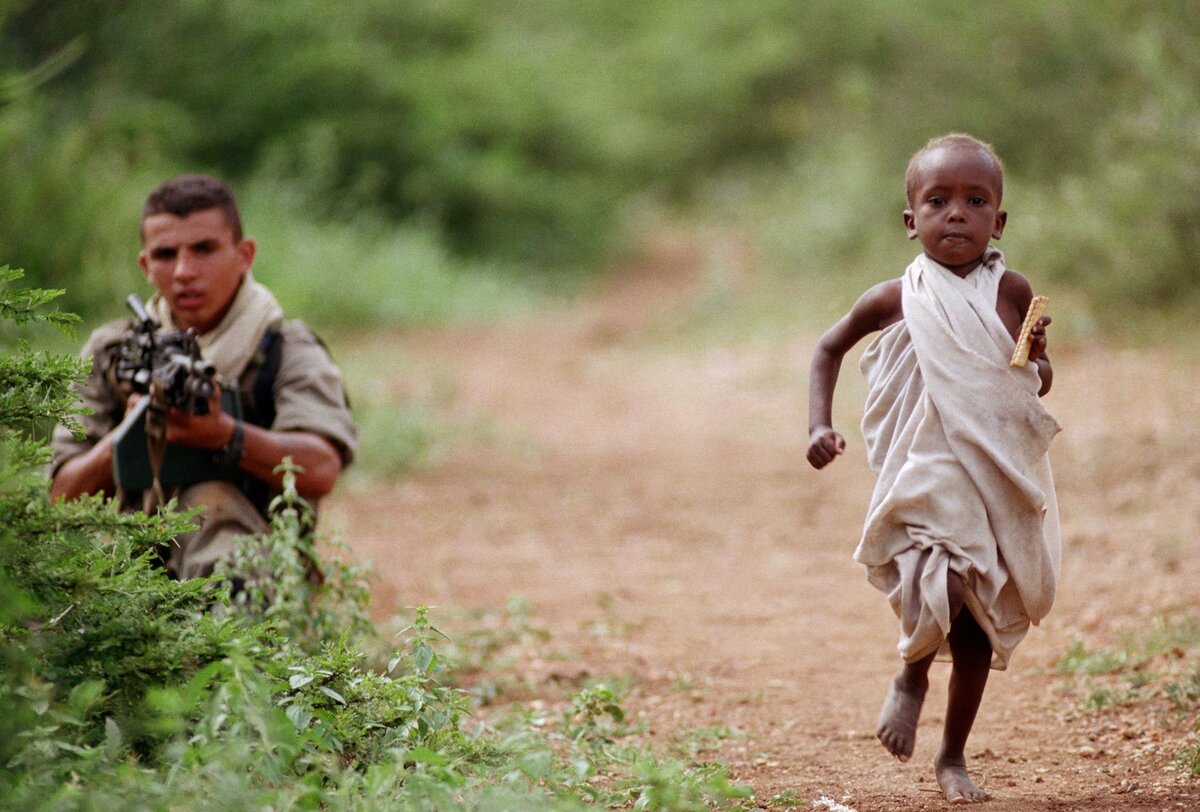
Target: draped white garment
<point>234,341</point>
<point>958,440</point>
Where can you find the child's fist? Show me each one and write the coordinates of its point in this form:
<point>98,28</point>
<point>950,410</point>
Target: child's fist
<point>824,445</point>
<point>1037,338</point>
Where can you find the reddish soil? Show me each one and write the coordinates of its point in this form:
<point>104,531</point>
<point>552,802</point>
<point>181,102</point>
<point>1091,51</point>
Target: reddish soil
<point>649,497</point>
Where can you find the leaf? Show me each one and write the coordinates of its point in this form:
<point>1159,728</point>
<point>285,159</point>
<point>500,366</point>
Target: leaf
<point>113,739</point>
<point>332,694</point>
<point>299,716</point>
<point>85,695</point>
<point>197,684</point>
<point>300,680</point>
<point>71,748</point>
<point>423,755</point>
<point>423,656</point>
<point>537,764</point>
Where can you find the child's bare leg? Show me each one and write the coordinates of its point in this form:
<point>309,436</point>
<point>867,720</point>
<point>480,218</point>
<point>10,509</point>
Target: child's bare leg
<point>972,660</point>
<point>897,729</point>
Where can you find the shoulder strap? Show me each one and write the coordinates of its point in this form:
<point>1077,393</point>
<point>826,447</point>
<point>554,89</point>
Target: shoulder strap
<point>270,350</point>
<point>259,405</point>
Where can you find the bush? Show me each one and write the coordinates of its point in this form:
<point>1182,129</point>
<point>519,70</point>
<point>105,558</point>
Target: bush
<point>121,689</point>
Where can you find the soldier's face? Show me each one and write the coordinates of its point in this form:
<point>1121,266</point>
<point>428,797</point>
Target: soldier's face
<point>195,264</point>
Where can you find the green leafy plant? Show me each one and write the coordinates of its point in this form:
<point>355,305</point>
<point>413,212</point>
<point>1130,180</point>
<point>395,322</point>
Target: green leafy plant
<point>121,688</point>
<point>312,597</point>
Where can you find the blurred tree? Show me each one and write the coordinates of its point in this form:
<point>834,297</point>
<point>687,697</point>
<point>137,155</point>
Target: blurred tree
<point>518,132</point>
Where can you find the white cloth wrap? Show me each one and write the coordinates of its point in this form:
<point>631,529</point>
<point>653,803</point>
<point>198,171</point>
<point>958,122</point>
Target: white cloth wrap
<point>958,440</point>
<point>234,341</point>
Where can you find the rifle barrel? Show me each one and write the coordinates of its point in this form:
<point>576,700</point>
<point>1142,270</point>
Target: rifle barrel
<point>197,366</point>
<point>145,320</point>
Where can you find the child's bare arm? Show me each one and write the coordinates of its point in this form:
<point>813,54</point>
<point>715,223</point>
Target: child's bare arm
<point>1013,300</point>
<point>874,310</point>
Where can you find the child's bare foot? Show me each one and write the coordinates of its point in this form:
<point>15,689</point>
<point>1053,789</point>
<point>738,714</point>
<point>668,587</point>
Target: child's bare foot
<point>955,783</point>
<point>897,729</point>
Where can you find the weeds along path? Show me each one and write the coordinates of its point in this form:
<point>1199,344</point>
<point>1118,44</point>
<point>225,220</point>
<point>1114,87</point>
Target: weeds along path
<point>644,488</point>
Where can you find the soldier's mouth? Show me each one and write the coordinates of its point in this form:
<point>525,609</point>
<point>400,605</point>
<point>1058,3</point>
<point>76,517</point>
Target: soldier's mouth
<point>189,301</point>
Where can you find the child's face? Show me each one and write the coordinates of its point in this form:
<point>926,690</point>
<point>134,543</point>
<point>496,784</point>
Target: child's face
<point>955,206</point>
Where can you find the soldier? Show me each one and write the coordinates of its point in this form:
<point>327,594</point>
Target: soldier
<point>290,401</point>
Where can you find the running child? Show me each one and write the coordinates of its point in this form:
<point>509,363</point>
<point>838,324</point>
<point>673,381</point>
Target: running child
<point>962,529</point>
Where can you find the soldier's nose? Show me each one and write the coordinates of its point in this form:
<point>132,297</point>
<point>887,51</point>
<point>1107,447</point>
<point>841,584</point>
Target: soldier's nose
<point>184,266</point>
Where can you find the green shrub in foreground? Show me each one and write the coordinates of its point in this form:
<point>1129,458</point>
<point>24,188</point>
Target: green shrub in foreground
<point>121,689</point>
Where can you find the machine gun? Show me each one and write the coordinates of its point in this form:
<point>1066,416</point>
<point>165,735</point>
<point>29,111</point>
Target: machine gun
<point>167,369</point>
<point>166,365</point>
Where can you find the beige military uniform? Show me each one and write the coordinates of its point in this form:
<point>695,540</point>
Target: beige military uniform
<point>308,396</point>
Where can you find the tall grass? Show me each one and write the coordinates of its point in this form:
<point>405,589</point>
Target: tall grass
<point>369,273</point>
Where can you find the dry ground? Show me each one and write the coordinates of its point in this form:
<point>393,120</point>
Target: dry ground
<point>649,497</point>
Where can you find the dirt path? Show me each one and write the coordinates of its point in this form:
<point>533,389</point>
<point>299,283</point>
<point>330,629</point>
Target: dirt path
<point>649,498</point>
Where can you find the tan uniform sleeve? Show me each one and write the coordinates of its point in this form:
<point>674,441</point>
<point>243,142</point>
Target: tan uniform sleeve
<point>95,396</point>
<point>309,393</point>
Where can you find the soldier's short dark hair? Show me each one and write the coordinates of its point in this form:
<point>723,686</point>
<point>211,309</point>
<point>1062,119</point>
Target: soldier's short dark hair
<point>191,193</point>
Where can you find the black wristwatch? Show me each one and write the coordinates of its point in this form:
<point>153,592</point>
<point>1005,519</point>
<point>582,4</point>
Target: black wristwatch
<point>231,453</point>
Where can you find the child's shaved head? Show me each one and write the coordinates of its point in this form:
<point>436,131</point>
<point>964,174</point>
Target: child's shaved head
<point>952,141</point>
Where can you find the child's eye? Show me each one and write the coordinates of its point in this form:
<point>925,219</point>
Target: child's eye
<point>936,201</point>
<point>977,201</point>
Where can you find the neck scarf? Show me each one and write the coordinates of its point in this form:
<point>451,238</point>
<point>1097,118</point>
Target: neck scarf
<point>232,343</point>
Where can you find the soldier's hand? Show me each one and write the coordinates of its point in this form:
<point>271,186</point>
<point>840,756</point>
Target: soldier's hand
<point>208,431</point>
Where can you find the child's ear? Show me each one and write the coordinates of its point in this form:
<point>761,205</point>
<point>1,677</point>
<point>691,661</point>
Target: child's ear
<point>998,228</point>
<point>910,224</point>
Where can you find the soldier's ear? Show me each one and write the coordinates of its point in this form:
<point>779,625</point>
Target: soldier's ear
<point>144,262</point>
<point>247,249</point>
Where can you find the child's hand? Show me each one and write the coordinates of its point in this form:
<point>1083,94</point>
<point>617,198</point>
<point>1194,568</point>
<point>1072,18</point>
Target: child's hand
<point>824,445</point>
<point>1037,347</point>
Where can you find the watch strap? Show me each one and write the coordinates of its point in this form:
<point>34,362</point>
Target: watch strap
<point>231,452</point>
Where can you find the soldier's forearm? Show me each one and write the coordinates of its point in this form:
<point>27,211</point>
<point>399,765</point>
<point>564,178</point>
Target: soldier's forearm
<point>263,450</point>
<point>88,473</point>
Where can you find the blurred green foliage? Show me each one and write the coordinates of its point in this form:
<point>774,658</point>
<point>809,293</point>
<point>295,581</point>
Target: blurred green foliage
<point>529,138</point>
